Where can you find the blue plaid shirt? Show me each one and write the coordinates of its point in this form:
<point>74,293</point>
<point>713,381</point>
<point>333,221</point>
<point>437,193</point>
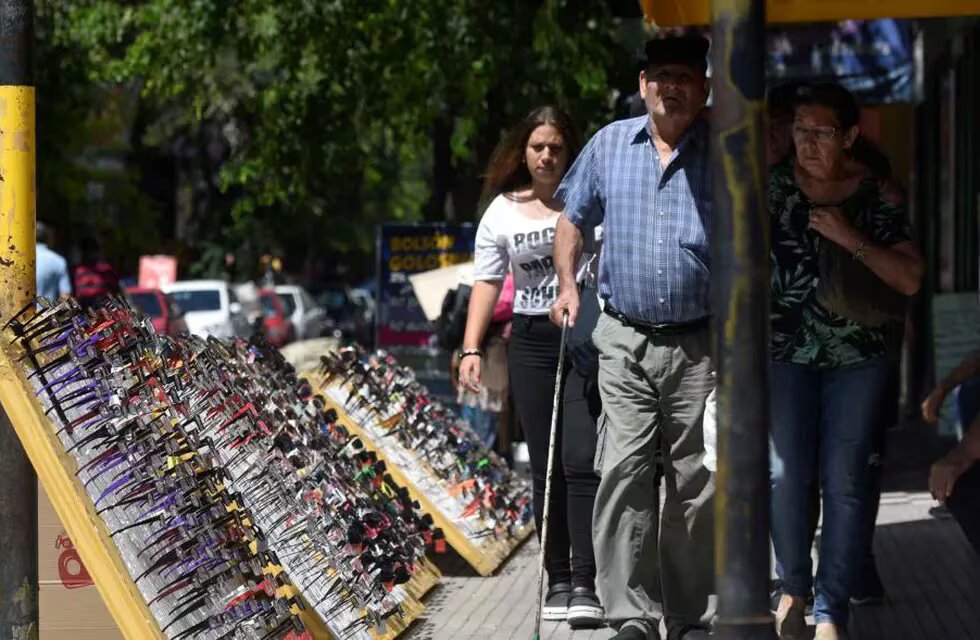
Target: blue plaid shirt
<point>656,222</point>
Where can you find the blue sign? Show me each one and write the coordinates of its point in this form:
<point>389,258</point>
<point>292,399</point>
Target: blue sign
<point>404,249</point>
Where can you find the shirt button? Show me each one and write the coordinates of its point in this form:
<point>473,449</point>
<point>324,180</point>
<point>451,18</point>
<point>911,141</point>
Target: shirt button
<point>662,301</point>
<point>662,214</point>
<point>660,272</point>
<point>660,241</point>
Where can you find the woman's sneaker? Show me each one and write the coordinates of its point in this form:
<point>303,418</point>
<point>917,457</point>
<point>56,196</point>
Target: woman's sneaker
<point>584,609</point>
<point>556,601</point>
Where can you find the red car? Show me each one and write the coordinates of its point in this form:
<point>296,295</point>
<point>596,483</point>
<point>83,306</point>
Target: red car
<point>167,317</point>
<point>279,329</point>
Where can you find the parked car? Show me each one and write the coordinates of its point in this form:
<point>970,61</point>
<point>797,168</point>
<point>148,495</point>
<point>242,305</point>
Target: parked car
<point>279,329</point>
<point>210,307</point>
<point>309,318</point>
<point>166,315</point>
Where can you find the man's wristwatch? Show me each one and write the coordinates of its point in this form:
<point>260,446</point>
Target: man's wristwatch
<point>462,353</point>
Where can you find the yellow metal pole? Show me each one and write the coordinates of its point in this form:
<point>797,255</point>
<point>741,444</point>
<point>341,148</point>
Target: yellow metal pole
<point>17,250</point>
<point>740,299</point>
<point>18,488</point>
<point>17,196</point>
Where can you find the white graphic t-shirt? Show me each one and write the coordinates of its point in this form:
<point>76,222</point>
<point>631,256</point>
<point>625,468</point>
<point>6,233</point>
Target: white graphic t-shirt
<point>508,238</point>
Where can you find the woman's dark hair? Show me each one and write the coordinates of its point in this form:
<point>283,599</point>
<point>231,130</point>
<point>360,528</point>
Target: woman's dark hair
<point>506,170</point>
<point>834,97</point>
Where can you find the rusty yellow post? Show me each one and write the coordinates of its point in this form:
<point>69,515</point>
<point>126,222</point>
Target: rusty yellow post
<point>17,197</point>
<point>18,484</point>
<point>740,286</point>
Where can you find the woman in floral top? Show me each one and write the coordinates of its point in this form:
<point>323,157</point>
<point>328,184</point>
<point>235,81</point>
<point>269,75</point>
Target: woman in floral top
<point>827,371</point>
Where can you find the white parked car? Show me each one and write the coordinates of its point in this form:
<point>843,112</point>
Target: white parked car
<point>210,307</point>
<point>309,318</point>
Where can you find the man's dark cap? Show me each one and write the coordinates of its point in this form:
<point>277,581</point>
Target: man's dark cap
<point>690,49</point>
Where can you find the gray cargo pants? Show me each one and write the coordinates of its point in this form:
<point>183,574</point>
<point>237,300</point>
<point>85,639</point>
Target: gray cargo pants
<point>653,392</point>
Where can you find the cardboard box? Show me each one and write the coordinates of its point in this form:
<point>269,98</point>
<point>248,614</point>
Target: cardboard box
<point>70,605</point>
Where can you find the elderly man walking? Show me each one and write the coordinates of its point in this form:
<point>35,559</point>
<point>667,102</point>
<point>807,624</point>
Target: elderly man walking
<point>647,181</point>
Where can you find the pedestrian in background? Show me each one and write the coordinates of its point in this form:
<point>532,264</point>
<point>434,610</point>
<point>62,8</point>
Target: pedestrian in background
<point>517,232</point>
<point>53,283</point>
<point>863,160</point>
<point>955,478</point>
<point>94,277</point>
<point>647,181</point>
<point>779,122</point>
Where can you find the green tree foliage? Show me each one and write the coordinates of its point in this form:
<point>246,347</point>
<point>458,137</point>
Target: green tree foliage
<point>305,122</point>
<point>84,185</point>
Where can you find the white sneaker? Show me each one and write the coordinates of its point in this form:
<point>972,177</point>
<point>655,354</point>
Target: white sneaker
<point>584,609</point>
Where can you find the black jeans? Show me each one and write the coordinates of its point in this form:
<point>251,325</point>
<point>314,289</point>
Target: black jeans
<point>533,364</point>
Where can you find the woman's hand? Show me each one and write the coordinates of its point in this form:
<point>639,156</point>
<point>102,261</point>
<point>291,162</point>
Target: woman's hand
<point>469,372</point>
<point>831,224</point>
<point>900,265</point>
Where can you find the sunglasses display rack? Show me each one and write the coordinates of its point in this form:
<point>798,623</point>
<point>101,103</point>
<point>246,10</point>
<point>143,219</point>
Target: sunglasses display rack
<point>481,506</point>
<point>352,535</point>
<point>208,491</point>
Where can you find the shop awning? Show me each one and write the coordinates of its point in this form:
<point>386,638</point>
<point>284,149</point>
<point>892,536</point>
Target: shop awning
<point>670,13</point>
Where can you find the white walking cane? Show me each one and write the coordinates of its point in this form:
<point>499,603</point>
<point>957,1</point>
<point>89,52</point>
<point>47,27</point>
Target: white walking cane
<point>547,479</point>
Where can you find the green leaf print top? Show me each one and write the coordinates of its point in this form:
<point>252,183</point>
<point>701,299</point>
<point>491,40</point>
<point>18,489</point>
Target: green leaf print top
<point>803,331</point>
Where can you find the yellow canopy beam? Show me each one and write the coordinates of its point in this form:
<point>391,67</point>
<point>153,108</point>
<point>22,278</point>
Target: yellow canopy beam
<point>675,13</point>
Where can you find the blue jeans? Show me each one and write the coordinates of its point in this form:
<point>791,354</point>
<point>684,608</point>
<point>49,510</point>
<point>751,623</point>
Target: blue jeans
<point>823,431</point>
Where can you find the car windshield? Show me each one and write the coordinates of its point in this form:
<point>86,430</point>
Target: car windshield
<point>148,303</point>
<point>288,304</point>
<point>202,300</point>
<point>269,306</point>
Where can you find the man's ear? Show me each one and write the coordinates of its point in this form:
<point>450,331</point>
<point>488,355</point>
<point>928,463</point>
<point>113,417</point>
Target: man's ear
<point>851,136</point>
<point>643,83</point>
